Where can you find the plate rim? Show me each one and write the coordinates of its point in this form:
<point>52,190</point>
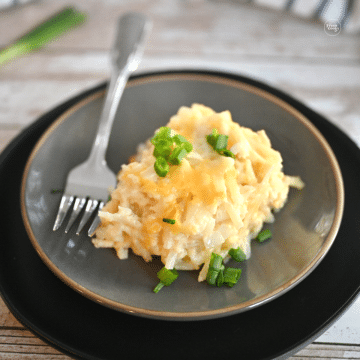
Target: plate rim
<point>195,315</point>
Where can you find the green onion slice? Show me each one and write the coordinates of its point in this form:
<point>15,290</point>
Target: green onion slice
<point>211,276</point>
<point>216,262</point>
<point>237,254</point>
<point>171,149</point>
<point>218,274</point>
<point>211,139</point>
<point>231,276</point>
<point>177,155</point>
<point>179,139</point>
<point>162,148</point>
<point>226,152</point>
<point>264,235</point>
<point>220,279</point>
<point>182,142</point>
<point>163,133</point>
<point>166,277</point>
<point>221,142</point>
<point>169,221</point>
<point>187,146</point>
<point>161,166</point>
<point>215,267</point>
<point>158,287</point>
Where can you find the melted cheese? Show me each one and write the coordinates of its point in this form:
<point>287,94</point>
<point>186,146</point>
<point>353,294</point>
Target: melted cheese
<point>217,202</point>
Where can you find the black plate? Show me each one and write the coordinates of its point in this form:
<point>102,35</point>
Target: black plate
<point>85,330</point>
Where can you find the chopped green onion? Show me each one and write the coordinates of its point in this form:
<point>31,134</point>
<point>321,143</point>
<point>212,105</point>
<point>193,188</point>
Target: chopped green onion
<point>264,235</point>
<point>237,254</point>
<point>158,287</point>
<point>161,166</point>
<point>170,148</point>
<point>218,274</point>
<point>220,279</point>
<point>179,139</point>
<point>211,276</point>
<point>177,155</point>
<point>231,276</point>
<point>163,133</point>
<point>216,262</point>
<point>187,146</point>
<point>221,142</point>
<point>182,142</point>
<point>211,139</point>
<point>43,34</point>
<point>169,221</point>
<point>226,152</point>
<point>215,267</point>
<point>162,148</point>
<point>166,277</point>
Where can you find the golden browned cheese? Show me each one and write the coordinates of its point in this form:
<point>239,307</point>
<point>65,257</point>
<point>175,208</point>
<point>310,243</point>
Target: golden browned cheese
<point>217,202</point>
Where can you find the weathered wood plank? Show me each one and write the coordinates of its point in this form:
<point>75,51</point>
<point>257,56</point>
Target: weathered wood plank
<point>22,344</point>
<point>79,66</point>
<point>19,356</point>
<point>18,337</point>
<point>36,97</point>
<point>16,332</point>
<point>335,96</point>
<point>26,346</point>
<point>28,349</point>
<point>328,351</point>
<point>7,319</point>
<point>183,27</point>
<point>288,53</point>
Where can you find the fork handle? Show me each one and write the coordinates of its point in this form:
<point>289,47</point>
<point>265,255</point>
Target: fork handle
<point>132,32</point>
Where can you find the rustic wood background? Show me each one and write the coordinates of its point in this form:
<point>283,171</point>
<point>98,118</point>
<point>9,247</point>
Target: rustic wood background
<point>295,55</point>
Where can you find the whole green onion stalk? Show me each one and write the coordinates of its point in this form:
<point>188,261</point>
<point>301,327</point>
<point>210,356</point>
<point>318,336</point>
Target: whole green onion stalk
<point>43,34</point>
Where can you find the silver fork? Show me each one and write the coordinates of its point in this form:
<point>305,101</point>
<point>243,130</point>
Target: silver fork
<point>89,183</point>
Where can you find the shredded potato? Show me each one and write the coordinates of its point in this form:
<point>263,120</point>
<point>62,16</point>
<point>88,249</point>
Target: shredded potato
<point>218,202</point>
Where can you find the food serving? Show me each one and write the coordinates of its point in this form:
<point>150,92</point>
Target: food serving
<point>195,195</point>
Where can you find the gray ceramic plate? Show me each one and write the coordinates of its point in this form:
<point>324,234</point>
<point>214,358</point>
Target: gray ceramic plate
<point>302,234</point>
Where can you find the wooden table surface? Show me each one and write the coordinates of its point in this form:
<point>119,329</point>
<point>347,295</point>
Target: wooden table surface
<point>292,54</point>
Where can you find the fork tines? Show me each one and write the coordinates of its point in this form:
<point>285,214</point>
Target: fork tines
<point>78,204</point>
